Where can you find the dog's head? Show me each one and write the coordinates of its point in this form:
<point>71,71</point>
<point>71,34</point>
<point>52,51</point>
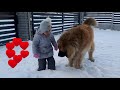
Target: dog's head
<point>62,54</point>
<point>62,51</point>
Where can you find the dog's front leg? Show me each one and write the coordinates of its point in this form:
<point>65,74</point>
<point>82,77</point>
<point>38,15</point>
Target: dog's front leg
<point>70,63</point>
<point>78,61</point>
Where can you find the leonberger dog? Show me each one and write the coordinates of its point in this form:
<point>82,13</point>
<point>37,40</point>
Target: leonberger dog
<point>76,42</point>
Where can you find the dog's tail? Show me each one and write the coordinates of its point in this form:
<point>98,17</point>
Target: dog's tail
<point>90,21</point>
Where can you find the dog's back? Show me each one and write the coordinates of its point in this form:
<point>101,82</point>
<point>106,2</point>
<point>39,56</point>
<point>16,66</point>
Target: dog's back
<point>82,34</point>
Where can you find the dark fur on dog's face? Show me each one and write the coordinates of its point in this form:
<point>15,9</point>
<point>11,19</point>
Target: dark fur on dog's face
<point>62,54</point>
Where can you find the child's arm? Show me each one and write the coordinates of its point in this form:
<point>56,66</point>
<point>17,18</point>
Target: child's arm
<point>35,45</point>
<point>54,43</point>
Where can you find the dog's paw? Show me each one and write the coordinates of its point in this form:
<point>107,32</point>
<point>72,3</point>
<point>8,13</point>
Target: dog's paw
<point>92,59</point>
<point>67,65</point>
<point>77,67</point>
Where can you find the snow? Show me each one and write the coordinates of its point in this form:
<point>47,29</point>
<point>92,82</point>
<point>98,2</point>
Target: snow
<point>106,65</point>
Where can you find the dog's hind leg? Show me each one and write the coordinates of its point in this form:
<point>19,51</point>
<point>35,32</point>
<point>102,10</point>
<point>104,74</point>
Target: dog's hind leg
<point>90,52</point>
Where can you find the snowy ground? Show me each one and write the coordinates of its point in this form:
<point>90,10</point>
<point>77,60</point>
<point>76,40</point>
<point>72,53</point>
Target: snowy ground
<point>106,65</point>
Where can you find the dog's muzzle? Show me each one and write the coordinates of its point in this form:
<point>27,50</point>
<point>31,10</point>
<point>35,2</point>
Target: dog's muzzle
<point>62,54</point>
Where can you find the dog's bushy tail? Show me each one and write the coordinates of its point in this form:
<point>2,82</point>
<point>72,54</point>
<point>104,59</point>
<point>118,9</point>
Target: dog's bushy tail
<point>90,21</point>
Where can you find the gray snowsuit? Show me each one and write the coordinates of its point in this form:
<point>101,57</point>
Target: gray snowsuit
<point>42,46</point>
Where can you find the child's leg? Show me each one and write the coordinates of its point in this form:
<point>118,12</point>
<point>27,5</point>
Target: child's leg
<point>51,63</point>
<point>41,64</point>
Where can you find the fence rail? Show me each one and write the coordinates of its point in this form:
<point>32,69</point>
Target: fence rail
<point>60,21</point>
<point>106,20</point>
<point>116,19</point>
<point>7,27</point>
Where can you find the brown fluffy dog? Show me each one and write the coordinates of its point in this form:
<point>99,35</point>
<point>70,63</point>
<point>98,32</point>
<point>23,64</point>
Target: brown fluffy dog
<point>76,42</point>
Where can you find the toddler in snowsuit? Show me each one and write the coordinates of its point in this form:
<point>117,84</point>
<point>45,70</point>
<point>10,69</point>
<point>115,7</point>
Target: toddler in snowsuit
<point>42,45</point>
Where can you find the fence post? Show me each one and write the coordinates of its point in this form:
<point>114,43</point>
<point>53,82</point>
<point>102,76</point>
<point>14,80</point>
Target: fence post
<point>16,23</point>
<point>33,31</point>
<point>79,18</point>
<point>62,22</point>
<point>29,25</point>
<point>112,20</point>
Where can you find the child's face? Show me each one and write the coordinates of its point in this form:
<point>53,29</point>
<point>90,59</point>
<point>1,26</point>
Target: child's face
<point>47,33</point>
